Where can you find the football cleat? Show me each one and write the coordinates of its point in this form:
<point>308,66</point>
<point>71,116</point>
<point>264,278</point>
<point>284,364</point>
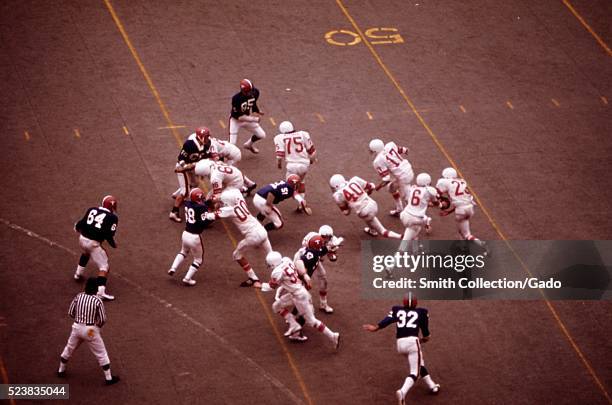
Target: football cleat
<point>251,282</point>
<point>435,389</point>
<point>296,327</point>
<point>326,308</point>
<point>189,281</point>
<point>251,147</point>
<point>171,272</point>
<point>336,340</point>
<point>174,217</point>
<point>400,397</point>
<point>395,213</point>
<point>370,231</point>
<point>298,337</point>
<point>106,297</point>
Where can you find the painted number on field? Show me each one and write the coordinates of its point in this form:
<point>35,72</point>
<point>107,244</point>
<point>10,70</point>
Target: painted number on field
<point>376,36</point>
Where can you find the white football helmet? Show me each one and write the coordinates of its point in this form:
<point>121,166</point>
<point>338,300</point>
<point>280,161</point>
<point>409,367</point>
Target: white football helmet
<point>326,231</point>
<point>231,197</point>
<point>376,145</point>
<point>423,179</point>
<point>336,181</point>
<point>202,167</point>
<point>449,173</point>
<point>273,259</point>
<point>285,127</point>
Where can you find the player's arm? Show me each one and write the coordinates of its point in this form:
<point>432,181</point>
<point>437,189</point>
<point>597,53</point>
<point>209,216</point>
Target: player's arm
<point>303,273</point>
<point>425,326</point>
<point>388,320</point>
<point>110,235</point>
<point>403,150</point>
<point>280,152</point>
<point>255,108</point>
<point>78,227</point>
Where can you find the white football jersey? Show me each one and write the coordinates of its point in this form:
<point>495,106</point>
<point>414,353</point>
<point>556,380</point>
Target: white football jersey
<point>223,150</point>
<point>418,200</point>
<point>294,147</point>
<point>224,176</point>
<point>390,161</point>
<point>353,194</point>
<point>457,191</point>
<point>239,212</point>
<point>285,275</point>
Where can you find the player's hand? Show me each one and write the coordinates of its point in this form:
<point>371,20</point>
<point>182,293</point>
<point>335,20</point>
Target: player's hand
<point>370,328</point>
<point>424,339</point>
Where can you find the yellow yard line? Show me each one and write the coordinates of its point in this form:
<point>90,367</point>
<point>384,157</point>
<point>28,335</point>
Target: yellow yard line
<point>588,28</point>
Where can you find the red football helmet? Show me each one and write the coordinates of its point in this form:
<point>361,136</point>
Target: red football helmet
<point>196,195</point>
<point>110,203</point>
<point>410,300</point>
<point>294,180</point>
<point>316,242</point>
<point>246,86</point>
<point>202,133</point>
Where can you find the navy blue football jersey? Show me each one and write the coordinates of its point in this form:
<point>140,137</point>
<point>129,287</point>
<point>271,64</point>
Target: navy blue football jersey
<point>195,221</point>
<point>408,321</point>
<point>311,258</point>
<point>98,224</point>
<point>244,105</point>
<point>281,191</point>
<point>192,151</point>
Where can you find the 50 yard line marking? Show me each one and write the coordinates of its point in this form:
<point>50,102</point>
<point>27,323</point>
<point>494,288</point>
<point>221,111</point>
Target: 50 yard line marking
<point>442,149</point>
<point>178,138</point>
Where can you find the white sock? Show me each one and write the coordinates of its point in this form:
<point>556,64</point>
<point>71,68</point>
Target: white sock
<point>248,143</point>
<point>107,374</point>
<point>177,261</point>
<point>62,367</point>
<point>101,289</point>
<point>233,138</point>
<point>251,274</point>
<point>408,383</point>
<point>192,270</point>
<point>80,270</point>
<point>328,332</point>
<point>427,380</point>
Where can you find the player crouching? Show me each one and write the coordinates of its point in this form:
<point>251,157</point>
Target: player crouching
<point>267,197</point>
<point>285,275</point>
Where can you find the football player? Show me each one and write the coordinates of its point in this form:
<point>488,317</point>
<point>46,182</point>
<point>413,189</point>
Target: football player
<point>222,176</point>
<point>409,321</point>
<point>414,216</point>
<point>99,224</point>
<point>196,147</point>
<point>246,114</point>
<point>197,218</point>
<point>353,195</point>
<point>267,197</point>
<point>285,275</point>
<point>298,152</point>
<point>395,171</point>
<point>235,207</point>
<point>461,202</point>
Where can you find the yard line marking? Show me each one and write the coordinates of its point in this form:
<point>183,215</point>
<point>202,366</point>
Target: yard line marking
<point>588,28</point>
<point>482,207</point>
<point>77,134</point>
<point>320,117</point>
<point>369,115</point>
<point>171,125</point>
<point>272,121</point>
<point>222,124</point>
<point>604,100</point>
<point>166,304</point>
<point>555,102</point>
<point>27,135</point>
<point>125,130</point>
<point>462,108</point>
<point>509,104</point>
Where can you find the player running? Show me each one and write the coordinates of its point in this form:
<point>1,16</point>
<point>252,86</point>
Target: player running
<point>353,195</point>
<point>461,202</point>
<point>197,218</point>
<point>255,235</point>
<point>414,216</point>
<point>395,171</point>
<point>409,321</point>
<point>246,114</point>
<point>298,152</point>
<point>285,275</point>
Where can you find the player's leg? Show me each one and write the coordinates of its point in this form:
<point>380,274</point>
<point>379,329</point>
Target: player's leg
<point>97,347</point>
<point>321,275</point>
<point>408,347</point>
<point>100,258</point>
<point>374,223</point>
<point>424,373</point>
<point>258,135</point>
<point>276,220</point>
<point>84,259</point>
<point>183,191</point>
<point>281,306</point>
<point>196,248</point>
<point>234,126</point>
<point>238,255</point>
<point>396,194</point>
<point>303,304</point>
<point>74,341</point>
<point>180,257</point>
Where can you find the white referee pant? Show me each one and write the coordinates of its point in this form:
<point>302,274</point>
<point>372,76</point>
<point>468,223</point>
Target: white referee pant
<point>95,251</point>
<point>411,348</point>
<point>90,334</point>
<point>271,213</point>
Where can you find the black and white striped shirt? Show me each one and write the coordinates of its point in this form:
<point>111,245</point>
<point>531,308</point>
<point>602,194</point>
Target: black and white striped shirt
<point>87,309</point>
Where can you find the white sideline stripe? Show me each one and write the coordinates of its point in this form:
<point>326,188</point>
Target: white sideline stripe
<point>224,342</point>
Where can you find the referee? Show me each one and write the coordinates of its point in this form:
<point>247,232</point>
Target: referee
<point>89,316</point>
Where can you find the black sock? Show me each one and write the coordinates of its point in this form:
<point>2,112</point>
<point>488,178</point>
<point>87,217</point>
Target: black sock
<point>101,280</point>
<point>254,138</point>
<point>175,209</point>
<point>83,260</point>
